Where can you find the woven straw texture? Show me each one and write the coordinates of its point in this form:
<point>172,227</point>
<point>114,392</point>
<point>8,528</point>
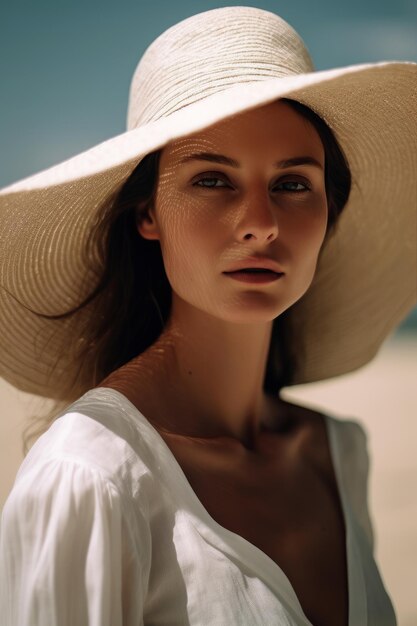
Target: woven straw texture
<point>198,72</point>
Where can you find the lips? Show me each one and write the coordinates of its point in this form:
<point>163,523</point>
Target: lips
<point>254,276</point>
<point>255,265</point>
<point>253,270</point>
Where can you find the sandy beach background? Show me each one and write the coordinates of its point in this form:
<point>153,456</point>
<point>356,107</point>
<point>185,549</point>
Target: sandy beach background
<point>382,395</point>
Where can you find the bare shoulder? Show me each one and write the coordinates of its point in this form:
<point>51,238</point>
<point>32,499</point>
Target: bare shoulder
<point>310,427</point>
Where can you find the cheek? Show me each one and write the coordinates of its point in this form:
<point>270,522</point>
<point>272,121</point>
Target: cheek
<point>186,236</point>
<point>317,222</point>
<point>305,236</point>
<point>316,232</point>
<point>311,229</point>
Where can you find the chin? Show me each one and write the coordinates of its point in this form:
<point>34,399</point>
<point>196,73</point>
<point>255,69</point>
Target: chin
<point>247,314</point>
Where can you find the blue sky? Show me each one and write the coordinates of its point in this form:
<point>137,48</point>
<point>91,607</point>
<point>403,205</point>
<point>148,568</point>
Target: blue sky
<point>65,67</point>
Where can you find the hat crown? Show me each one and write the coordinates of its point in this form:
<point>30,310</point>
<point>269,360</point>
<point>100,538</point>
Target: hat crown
<point>209,52</point>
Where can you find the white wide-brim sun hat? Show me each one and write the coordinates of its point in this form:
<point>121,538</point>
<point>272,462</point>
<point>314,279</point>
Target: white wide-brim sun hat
<point>202,70</point>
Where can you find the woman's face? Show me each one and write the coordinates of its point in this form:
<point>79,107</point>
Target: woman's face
<point>209,215</point>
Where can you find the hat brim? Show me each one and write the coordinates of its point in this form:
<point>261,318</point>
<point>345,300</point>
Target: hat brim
<point>365,282</point>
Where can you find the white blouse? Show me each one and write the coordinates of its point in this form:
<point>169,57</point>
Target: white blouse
<point>102,528</point>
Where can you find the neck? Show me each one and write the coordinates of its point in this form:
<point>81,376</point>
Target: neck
<point>204,376</point>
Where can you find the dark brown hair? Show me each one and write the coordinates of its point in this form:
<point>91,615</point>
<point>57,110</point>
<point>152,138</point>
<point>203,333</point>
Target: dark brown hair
<point>133,295</point>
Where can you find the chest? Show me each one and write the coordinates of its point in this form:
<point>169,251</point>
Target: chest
<point>289,510</point>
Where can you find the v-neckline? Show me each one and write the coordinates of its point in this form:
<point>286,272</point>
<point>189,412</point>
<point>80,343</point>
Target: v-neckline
<point>248,553</point>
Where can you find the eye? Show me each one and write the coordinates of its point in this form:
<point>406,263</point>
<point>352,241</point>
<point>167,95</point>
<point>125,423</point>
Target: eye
<point>292,186</point>
<point>211,182</point>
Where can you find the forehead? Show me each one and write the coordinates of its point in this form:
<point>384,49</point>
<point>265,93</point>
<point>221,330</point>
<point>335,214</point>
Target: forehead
<point>274,128</point>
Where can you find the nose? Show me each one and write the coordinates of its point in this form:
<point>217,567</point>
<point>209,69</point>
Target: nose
<point>257,217</point>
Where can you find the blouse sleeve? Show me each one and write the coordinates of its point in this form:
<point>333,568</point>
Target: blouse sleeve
<point>357,475</point>
<point>70,552</point>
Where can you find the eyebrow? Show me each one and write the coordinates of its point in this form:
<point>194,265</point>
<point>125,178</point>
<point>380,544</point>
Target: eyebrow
<point>224,160</point>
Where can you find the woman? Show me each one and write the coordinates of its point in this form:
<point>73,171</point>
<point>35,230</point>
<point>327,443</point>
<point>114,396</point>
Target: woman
<point>214,253</point>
